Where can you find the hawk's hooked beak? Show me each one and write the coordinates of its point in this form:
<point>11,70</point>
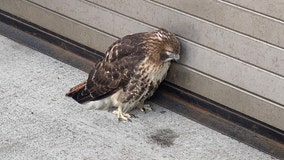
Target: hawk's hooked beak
<point>172,56</point>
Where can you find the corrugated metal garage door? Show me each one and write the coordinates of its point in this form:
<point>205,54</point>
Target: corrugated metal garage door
<point>232,50</point>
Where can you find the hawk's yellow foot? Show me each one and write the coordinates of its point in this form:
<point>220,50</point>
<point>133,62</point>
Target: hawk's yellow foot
<point>122,116</point>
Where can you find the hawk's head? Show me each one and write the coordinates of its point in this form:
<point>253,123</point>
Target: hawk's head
<point>163,46</point>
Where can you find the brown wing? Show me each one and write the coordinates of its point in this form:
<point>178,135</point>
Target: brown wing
<point>114,71</point>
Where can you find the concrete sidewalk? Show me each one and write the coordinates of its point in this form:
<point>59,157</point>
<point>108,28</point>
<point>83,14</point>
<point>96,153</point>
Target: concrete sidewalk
<point>38,122</point>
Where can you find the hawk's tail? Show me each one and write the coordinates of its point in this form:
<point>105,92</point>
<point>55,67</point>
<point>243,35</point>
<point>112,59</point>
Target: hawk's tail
<point>79,93</point>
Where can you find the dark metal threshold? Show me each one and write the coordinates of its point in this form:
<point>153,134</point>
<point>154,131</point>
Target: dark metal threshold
<point>211,114</point>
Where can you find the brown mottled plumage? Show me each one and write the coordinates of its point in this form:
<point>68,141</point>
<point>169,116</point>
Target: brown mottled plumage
<point>131,71</point>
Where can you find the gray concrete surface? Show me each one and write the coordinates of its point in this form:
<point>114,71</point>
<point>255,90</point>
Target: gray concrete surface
<point>38,122</point>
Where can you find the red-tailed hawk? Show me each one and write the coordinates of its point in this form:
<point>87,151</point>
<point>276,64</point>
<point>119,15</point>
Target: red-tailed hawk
<point>130,72</point>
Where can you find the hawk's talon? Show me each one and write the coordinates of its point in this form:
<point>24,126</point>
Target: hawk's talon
<point>121,119</point>
<point>133,115</point>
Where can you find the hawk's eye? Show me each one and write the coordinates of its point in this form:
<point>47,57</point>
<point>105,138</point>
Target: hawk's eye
<point>164,56</point>
<point>168,56</point>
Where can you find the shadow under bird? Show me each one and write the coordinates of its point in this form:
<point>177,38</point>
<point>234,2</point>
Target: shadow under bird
<point>130,72</point>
